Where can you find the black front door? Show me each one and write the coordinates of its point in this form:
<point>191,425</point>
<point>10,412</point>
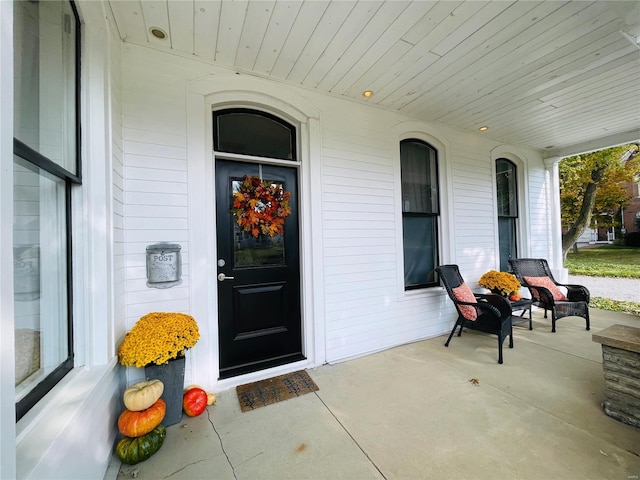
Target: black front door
<point>259,321</point>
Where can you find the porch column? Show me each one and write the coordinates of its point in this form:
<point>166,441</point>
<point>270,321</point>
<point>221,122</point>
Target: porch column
<point>556,260</point>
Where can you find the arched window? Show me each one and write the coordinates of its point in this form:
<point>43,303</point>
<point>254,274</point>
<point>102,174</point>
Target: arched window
<point>251,132</point>
<point>420,211</point>
<point>507,191</point>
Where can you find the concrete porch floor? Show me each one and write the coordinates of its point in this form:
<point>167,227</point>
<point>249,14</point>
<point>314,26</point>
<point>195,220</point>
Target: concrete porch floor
<point>412,412</point>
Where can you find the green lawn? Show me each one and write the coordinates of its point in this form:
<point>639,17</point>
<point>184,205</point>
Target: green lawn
<point>605,261</point>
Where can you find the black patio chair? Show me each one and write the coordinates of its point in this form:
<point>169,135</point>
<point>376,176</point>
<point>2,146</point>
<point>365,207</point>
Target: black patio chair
<point>535,274</point>
<point>486,313</point>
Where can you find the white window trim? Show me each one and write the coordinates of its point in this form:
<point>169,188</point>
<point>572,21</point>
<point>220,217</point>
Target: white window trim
<point>7,335</point>
<point>446,229</point>
<point>227,91</point>
<point>523,240</point>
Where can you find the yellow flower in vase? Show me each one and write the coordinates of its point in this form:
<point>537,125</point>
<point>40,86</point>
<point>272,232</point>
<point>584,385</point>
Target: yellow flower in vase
<point>158,337</point>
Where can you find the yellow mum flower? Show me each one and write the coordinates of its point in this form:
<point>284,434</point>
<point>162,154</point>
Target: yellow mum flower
<point>158,337</point>
<point>502,282</point>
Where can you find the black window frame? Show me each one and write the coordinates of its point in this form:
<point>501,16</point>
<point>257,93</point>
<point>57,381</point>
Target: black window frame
<point>250,111</point>
<point>434,216</point>
<point>36,159</point>
<point>513,207</point>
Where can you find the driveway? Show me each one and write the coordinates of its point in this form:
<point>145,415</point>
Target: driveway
<point>622,289</point>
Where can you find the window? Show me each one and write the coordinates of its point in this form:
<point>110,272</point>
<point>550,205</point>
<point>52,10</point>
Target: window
<point>251,132</point>
<point>420,211</point>
<point>46,165</point>
<point>506,183</point>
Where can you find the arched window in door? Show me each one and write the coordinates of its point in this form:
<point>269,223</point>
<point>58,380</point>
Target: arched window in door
<point>255,133</point>
<point>507,188</point>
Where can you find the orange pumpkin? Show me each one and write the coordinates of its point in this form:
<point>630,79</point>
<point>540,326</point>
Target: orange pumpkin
<point>136,424</point>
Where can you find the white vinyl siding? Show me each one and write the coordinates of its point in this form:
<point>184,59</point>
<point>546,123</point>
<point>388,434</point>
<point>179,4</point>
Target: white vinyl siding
<point>359,229</point>
<point>156,211</point>
<point>473,203</point>
<point>118,189</point>
<point>539,202</point>
<point>155,193</point>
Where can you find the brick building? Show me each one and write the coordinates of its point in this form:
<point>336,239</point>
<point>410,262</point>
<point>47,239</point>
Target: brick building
<point>631,213</point>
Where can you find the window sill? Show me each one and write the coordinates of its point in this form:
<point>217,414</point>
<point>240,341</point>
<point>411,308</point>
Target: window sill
<point>38,432</point>
<point>422,292</point>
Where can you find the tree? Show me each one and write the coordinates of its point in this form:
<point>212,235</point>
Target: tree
<point>591,188</point>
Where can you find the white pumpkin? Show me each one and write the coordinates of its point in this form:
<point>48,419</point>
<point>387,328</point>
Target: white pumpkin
<point>142,395</point>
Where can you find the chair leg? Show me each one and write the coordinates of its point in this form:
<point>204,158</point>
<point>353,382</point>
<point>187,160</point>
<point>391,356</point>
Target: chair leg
<point>587,319</point>
<point>500,349</point>
<point>553,320</point>
<point>451,335</point>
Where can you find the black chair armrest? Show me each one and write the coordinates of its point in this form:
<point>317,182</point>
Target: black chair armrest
<point>544,293</point>
<point>481,307</point>
<point>577,293</point>
<point>488,297</point>
<point>499,304</point>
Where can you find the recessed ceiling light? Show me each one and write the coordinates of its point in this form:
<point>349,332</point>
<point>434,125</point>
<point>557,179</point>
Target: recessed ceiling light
<point>633,37</point>
<point>367,93</point>
<point>484,128</point>
<point>158,33</point>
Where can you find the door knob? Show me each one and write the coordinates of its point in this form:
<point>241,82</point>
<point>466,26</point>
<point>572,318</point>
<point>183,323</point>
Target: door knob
<point>222,277</point>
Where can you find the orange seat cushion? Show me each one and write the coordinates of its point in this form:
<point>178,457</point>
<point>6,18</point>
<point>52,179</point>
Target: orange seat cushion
<point>547,283</point>
<point>464,294</point>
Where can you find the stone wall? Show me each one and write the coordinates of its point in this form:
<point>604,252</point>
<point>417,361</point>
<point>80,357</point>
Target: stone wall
<point>621,365</point>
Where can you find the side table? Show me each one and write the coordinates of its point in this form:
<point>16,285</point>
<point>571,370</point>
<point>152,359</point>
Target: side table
<point>523,304</point>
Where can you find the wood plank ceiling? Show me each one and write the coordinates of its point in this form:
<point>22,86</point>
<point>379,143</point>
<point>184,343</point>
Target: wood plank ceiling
<point>560,76</point>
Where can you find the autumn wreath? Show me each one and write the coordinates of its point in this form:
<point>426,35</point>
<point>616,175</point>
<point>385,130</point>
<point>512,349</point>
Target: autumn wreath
<point>261,207</point>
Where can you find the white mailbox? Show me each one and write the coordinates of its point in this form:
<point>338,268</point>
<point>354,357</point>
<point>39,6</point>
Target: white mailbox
<point>164,265</point>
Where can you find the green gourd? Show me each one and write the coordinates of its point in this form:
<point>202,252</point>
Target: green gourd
<point>135,450</point>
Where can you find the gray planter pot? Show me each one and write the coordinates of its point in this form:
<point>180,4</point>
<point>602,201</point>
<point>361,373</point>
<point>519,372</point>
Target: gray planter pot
<point>172,375</point>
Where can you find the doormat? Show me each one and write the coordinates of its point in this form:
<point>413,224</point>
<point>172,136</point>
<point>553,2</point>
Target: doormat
<point>273,390</point>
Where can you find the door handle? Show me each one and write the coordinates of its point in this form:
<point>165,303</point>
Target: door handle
<point>222,277</point>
